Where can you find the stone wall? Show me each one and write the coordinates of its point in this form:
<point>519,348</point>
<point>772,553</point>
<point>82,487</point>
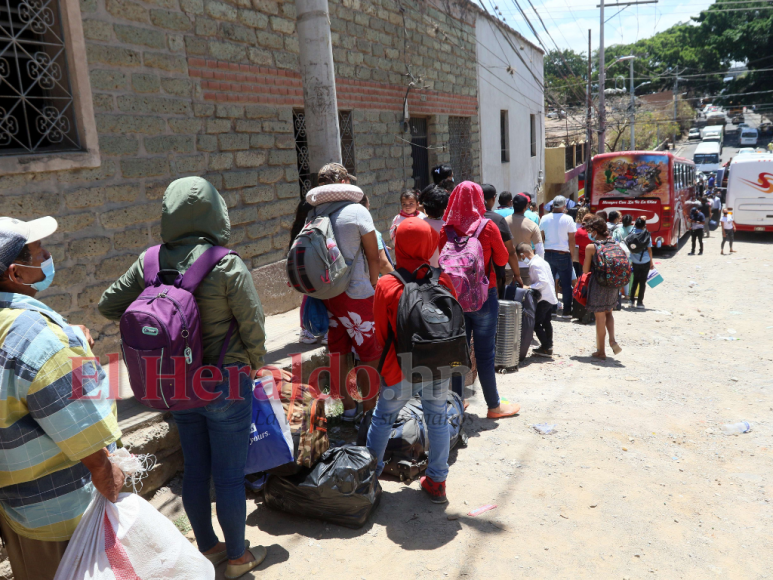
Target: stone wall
<point>207,87</point>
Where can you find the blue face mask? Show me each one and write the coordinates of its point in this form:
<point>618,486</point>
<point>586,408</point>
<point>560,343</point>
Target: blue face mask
<point>48,271</point>
<point>591,237</point>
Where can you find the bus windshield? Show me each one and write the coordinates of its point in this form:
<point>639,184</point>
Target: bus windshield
<point>706,158</point>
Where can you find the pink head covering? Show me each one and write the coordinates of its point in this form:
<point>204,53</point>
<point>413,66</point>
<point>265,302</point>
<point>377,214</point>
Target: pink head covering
<point>465,208</point>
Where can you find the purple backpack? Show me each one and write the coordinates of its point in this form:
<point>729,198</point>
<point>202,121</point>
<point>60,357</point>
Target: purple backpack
<point>161,334</point>
<point>462,259</point>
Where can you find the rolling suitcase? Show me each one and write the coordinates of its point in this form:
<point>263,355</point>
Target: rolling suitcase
<point>508,345</point>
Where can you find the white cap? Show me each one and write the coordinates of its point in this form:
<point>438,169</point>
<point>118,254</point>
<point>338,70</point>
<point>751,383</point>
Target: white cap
<point>31,231</point>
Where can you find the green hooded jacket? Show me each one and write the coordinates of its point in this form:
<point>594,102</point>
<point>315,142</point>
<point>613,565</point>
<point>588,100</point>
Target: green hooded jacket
<point>194,218</point>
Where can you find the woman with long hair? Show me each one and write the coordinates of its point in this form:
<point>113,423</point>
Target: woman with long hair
<point>601,299</point>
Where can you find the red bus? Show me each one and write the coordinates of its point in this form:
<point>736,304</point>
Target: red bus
<point>653,184</point>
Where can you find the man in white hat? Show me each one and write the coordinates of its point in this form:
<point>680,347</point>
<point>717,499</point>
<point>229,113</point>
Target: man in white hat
<point>560,250</point>
<point>58,422</point>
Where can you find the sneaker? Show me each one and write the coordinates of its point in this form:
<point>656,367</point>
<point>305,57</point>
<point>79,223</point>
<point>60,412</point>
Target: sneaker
<point>640,306</point>
<point>691,254</point>
<point>324,339</point>
<point>306,337</point>
<point>700,253</point>
<point>546,352</point>
<point>435,489</point>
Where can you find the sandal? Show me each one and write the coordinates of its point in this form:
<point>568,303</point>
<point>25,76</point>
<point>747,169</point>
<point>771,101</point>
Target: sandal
<point>514,408</point>
<point>616,348</point>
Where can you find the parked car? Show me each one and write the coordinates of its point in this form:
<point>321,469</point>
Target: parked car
<point>743,125</point>
<point>765,129</point>
<point>737,119</point>
<point>745,150</point>
<point>694,133</point>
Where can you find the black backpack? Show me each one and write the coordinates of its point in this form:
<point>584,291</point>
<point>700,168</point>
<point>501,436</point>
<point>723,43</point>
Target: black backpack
<point>430,331</point>
<point>638,243</point>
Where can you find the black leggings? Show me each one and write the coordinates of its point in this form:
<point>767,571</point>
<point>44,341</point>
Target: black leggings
<point>640,273</point>
<point>543,325</point>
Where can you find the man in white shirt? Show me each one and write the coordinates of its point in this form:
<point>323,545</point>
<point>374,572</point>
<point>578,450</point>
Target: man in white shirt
<point>558,234</point>
<point>542,279</point>
<point>728,230</point>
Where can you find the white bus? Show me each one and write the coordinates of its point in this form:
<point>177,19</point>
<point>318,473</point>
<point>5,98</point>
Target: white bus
<point>706,156</point>
<point>750,192</point>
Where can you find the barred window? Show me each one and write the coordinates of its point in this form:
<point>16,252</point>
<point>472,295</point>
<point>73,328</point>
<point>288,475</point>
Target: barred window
<point>37,108</point>
<point>346,130</point>
<point>460,146</point>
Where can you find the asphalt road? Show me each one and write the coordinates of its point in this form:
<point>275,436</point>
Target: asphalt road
<point>687,148</point>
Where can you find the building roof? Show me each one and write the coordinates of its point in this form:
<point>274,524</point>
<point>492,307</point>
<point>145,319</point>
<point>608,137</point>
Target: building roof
<point>502,25</point>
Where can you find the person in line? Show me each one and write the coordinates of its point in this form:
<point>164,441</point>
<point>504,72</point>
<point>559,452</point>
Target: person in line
<point>712,181</point>
<point>490,199</point>
<point>351,312</point>
<point>728,230</point>
<point>642,263</point>
<point>524,230</point>
<point>568,204</point>
<point>541,277</point>
<point>443,175</point>
<point>435,200</point>
<point>706,211</point>
<point>619,235</point>
<point>532,212</point>
<point>464,213</point>
<point>614,222</point>
<point>214,438</point>
<point>416,242</point>
<point>603,215</point>
<point>697,221</point>
<point>602,300</point>
<point>409,207</point>
<point>56,435</point>
<point>384,258</point>
<point>558,231</point>
<point>505,204</point>
<point>716,207</point>
<point>580,240</point>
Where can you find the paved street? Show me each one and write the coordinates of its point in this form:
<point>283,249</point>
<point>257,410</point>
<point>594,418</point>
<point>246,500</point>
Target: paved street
<point>731,146</point>
<point>637,481</point>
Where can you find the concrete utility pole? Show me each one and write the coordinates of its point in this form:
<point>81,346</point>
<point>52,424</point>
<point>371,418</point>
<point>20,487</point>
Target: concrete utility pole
<point>589,121</point>
<point>319,87</point>
<point>602,84</point>
<point>633,112</point>
<point>676,84</point>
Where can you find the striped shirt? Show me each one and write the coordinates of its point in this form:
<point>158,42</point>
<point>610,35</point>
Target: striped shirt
<point>45,428</point>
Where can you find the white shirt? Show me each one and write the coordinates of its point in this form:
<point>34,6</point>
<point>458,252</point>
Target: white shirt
<point>727,221</point>
<point>542,279</point>
<point>717,204</point>
<point>557,227</point>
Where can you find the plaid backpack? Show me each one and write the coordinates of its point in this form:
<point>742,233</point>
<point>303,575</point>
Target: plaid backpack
<point>611,267</point>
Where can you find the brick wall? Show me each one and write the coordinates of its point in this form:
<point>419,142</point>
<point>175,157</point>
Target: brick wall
<point>207,87</point>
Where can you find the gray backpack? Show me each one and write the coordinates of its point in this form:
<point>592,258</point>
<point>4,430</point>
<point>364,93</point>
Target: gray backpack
<point>315,265</point>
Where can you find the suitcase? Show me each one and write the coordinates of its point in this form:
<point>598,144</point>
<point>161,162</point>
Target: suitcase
<point>508,344</point>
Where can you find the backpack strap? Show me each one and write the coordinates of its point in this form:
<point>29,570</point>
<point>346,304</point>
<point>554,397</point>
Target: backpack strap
<point>203,266</point>
<point>151,265</point>
<point>481,225</point>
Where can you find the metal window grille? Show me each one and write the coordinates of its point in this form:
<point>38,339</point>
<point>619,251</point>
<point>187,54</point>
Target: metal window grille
<point>419,153</point>
<point>460,146</point>
<point>504,136</point>
<point>569,157</point>
<point>346,130</point>
<point>533,134</point>
<point>36,103</point>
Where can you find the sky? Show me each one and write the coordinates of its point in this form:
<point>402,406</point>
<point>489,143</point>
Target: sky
<point>568,21</point>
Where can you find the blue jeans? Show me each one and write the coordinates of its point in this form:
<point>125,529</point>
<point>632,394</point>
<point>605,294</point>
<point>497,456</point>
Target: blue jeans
<point>482,325</point>
<point>215,440</point>
<point>433,402</point>
<point>561,266</point>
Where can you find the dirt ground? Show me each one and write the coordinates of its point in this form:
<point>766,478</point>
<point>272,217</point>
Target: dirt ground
<point>637,481</point>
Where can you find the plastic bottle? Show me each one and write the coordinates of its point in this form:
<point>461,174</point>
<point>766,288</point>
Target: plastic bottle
<point>736,428</point>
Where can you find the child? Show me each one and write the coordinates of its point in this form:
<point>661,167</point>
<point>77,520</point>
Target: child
<point>409,207</point>
<point>542,280</point>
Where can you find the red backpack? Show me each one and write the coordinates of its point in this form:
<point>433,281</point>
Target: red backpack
<point>611,267</point>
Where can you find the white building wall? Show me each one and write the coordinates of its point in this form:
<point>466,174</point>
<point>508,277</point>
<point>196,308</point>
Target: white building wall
<point>519,94</point>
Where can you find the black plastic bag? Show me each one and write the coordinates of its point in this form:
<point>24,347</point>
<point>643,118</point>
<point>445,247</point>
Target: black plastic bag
<point>342,488</point>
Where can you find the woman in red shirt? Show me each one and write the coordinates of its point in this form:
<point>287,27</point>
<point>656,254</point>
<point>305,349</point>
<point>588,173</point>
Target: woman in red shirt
<point>464,213</point>
<point>581,240</point>
<point>415,242</point>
